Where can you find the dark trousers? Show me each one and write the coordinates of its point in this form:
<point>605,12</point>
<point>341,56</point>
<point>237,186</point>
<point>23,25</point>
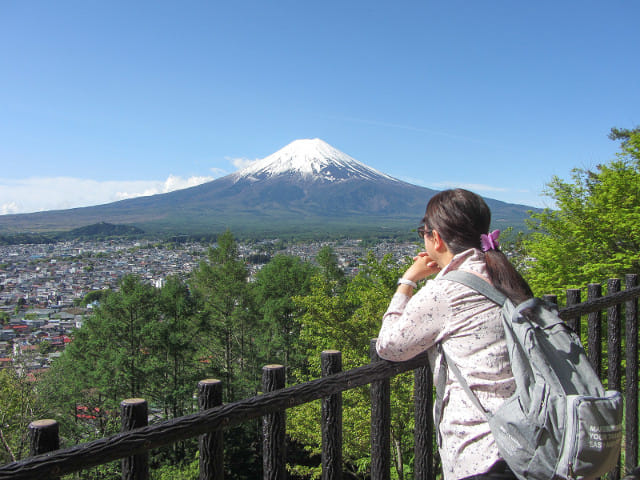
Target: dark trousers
<point>499,471</point>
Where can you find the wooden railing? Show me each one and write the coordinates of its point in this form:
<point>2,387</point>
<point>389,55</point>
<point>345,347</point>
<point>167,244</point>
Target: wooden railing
<point>135,441</point>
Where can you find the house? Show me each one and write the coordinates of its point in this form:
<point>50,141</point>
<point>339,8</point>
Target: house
<point>7,334</point>
<point>34,324</point>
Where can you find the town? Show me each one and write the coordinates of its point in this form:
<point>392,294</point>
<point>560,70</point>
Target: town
<point>42,285</point>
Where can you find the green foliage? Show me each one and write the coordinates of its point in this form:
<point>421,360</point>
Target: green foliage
<point>101,230</point>
<point>173,370</point>
<point>595,231</point>
<point>116,340</point>
<point>623,134</point>
<point>275,285</point>
<point>108,360</point>
<point>19,406</point>
<point>140,342</point>
<point>221,284</point>
<point>328,261</point>
<point>190,471</point>
<point>25,238</point>
<point>346,320</point>
<point>69,395</point>
<point>512,243</point>
<point>227,331</point>
<point>44,348</point>
<point>19,304</point>
<point>97,231</point>
<point>95,296</point>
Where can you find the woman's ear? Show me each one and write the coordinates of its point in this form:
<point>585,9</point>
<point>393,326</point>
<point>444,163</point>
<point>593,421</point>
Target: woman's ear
<point>438,242</point>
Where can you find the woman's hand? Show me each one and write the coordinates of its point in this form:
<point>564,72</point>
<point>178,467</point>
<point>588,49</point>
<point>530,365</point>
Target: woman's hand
<point>423,266</point>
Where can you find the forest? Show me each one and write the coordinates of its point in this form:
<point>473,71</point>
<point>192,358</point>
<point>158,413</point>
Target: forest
<point>157,343</point>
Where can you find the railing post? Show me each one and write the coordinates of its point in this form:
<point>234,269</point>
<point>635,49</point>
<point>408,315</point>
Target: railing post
<point>594,340</point>
<point>273,428</point>
<point>573,298</point>
<point>44,438</point>
<point>423,415</point>
<point>211,445</point>
<point>614,332</point>
<point>331,361</point>
<point>614,348</point>
<point>631,387</point>
<point>134,415</point>
<point>380,423</point>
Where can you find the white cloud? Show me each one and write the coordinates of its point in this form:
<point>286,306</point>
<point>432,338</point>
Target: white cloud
<point>59,193</point>
<point>9,207</point>
<point>240,162</point>
<point>178,183</point>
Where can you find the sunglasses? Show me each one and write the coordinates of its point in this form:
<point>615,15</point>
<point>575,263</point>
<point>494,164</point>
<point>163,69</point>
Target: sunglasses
<point>422,231</point>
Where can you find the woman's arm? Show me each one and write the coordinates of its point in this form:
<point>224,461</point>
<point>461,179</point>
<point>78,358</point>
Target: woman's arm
<point>412,323</point>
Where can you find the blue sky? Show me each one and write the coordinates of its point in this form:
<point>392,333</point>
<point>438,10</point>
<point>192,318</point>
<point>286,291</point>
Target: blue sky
<point>106,100</point>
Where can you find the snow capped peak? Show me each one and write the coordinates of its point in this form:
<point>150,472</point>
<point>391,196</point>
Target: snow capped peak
<point>312,159</point>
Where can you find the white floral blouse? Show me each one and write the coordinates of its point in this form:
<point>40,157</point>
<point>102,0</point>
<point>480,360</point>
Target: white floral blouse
<point>469,327</point>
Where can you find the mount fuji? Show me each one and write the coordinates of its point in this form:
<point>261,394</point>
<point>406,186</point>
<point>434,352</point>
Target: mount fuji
<point>307,186</point>
<point>313,160</point>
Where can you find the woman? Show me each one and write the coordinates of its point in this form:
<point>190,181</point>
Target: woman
<point>466,324</point>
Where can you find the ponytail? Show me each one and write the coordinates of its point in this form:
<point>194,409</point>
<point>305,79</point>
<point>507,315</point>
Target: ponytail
<point>506,278</point>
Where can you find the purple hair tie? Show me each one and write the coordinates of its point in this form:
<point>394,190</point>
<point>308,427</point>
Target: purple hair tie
<point>490,242</point>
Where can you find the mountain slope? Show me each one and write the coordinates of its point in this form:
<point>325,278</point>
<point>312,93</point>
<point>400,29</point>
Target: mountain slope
<point>307,185</point>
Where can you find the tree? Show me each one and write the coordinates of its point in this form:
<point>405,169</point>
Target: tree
<point>623,134</point>
<point>82,410</point>
<point>226,331</point>
<point>226,326</point>
<point>107,361</point>
<point>283,278</point>
<point>19,304</point>
<point>174,369</point>
<point>594,233</point>
<point>328,261</point>
<point>174,373</point>
<point>111,350</point>
<point>95,296</point>
<point>19,406</point>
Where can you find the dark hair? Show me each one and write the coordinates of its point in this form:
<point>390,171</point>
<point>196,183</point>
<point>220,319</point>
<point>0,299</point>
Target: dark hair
<point>460,217</point>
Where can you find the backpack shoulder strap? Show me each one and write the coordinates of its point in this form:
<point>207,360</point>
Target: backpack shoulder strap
<point>478,284</point>
<point>484,288</point>
<point>463,383</point>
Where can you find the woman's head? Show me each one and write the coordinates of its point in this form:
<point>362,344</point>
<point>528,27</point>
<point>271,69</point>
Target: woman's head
<point>460,217</point>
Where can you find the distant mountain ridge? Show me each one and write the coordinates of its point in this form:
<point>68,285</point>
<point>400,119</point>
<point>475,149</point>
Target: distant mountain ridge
<point>105,229</point>
<point>307,186</point>
<point>96,231</point>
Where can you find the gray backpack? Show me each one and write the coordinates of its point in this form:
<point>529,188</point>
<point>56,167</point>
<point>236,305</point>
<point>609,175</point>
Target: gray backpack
<point>560,422</point>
